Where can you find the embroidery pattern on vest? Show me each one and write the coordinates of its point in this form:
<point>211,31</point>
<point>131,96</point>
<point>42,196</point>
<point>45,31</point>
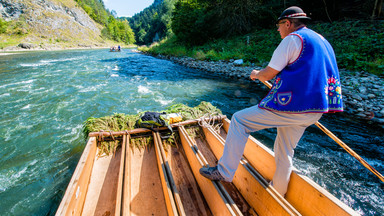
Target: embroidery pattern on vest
<point>333,91</point>
<point>272,92</point>
<point>284,98</point>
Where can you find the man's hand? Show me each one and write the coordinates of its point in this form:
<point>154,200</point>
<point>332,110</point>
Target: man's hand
<point>254,74</point>
<point>265,74</point>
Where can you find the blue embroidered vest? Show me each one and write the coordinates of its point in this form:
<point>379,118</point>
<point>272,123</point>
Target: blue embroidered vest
<point>311,83</point>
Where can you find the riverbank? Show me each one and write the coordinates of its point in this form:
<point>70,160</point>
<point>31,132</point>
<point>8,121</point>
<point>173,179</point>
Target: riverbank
<point>25,47</point>
<point>53,47</point>
<point>363,93</point>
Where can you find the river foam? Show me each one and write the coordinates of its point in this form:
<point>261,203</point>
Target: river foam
<point>46,96</point>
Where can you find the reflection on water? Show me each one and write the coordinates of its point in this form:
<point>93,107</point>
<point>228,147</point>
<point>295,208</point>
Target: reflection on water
<point>46,96</point>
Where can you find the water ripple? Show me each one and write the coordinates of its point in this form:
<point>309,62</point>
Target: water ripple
<point>46,96</point>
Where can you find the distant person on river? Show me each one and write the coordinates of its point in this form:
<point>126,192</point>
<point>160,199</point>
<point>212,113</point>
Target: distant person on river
<point>306,85</point>
<point>115,48</point>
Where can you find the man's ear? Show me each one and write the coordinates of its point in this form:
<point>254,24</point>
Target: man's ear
<point>288,23</point>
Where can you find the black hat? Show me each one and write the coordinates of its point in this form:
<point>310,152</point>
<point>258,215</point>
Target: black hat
<point>293,12</point>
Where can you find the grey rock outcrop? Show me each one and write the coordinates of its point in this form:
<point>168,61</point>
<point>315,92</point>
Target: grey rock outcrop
<point>26,45</point>
<point>10,10</point>
<point>47,21</point>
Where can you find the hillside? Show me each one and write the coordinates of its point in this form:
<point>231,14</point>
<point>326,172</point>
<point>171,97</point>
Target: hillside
<point>47,24</point>
<point>153,23</point>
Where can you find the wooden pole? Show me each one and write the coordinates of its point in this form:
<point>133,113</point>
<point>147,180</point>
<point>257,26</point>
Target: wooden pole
<point>342,144</point>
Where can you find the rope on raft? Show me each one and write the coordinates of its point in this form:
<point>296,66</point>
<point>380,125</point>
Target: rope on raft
<point>208,121</point>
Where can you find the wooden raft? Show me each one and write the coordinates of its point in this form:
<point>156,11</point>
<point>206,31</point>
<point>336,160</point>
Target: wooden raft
<point>165,180</point>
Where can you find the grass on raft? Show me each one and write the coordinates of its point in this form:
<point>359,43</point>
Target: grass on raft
<point>122,122</point>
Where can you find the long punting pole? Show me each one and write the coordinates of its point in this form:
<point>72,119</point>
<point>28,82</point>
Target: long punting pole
<point>342,144</point>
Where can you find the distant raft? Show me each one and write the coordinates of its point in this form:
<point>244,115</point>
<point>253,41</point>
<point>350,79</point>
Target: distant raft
<point>115,49</point>
<point>158,178</point>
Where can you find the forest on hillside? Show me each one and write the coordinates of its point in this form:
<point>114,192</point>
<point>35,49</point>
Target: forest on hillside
<point>195,22</point>
<point>114,29</point>
<point>153,23</point>
<point>242,29</point>
<point>198,21</point>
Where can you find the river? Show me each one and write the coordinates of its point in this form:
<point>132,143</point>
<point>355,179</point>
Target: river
<point>46,96</point>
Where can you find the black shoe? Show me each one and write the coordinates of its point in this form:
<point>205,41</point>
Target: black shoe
<point>211,173</point>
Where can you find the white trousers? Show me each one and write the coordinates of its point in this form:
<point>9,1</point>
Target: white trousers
<point>290,128</point>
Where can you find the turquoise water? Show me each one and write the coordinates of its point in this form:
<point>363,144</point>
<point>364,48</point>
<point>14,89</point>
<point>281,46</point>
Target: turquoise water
<point>46,96</point>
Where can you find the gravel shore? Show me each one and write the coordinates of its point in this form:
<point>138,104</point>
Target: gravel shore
<point>363,93</point>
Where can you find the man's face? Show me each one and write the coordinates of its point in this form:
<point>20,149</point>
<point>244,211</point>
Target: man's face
<point>284,27</point>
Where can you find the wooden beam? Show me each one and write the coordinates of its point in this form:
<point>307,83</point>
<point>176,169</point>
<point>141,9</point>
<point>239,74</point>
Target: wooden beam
<point>147,195</point>
<point>73,200</point>
<point>230,203</point>
<point>175,192</point>
<point>120,186</point>
<point>126,210</point>
<point>166,185</point>
<point>214,198</point>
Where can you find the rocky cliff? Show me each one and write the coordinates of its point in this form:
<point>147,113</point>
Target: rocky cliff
<point>50,24</point>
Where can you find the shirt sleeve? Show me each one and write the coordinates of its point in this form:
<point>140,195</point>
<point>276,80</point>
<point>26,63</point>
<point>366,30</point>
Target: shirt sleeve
<point>287,52</point>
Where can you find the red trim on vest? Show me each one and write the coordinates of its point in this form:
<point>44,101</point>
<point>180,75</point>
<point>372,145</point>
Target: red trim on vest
<point>302,47</point>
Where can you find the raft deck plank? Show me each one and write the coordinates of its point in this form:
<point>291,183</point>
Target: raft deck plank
<point>236,195</point>
<point>166,178</point>
<point>146,193</point>
<point>216,202</point>
<point>73,200</point>
<point>126,205</point>
<point>193,200</point>
<point>120,183</point>
<point>144,183</point>
<point>239,204</point>
<point>101,196</point>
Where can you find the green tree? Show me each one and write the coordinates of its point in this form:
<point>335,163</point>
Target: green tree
<point>188,22</point>
<point>197,21</point>
<point>141,35</point>
<point>3,25</point>
<point>153,22</point>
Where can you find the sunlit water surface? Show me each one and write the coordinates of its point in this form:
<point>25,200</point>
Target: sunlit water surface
<point>46,96</point>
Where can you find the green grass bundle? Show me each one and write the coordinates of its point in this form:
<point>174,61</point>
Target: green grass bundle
<point>122,122</point>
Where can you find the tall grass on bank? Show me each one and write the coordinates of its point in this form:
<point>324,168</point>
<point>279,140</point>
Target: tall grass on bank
<point>359,45</point>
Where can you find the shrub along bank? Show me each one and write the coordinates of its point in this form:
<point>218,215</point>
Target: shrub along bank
<point>359,46</point>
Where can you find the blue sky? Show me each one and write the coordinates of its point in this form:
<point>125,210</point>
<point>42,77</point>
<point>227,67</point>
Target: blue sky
<point>127,8</point>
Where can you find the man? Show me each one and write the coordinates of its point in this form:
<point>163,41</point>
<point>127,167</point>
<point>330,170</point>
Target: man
<point>306,86</point>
